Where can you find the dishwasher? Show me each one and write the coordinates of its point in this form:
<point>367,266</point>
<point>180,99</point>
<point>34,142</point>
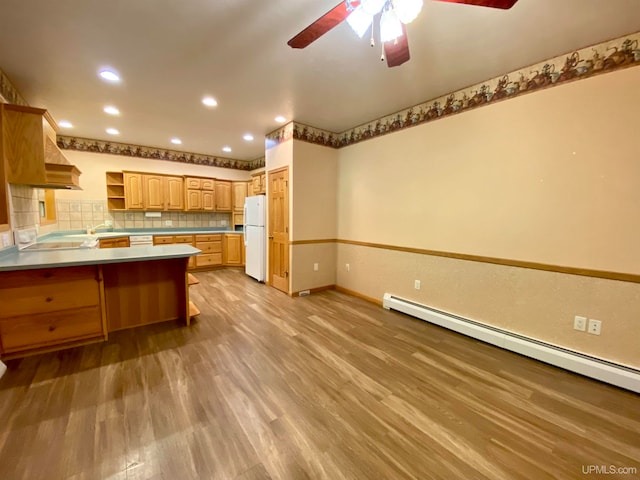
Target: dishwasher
<point>141,240</point>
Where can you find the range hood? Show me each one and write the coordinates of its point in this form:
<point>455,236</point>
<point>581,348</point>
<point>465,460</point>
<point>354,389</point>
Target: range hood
<point>28,144</point>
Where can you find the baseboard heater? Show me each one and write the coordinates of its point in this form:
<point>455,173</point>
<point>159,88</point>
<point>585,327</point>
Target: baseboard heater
<point>609,372</point>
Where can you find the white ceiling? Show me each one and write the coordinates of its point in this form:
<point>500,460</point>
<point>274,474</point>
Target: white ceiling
<point>170,53</point>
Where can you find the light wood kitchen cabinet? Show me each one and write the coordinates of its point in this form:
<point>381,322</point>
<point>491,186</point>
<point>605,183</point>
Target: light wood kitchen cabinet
<point>211,246</point>
<point>115,191</point>
<point>223,196</point>
<point>239,194</point>
<point>173,193</point>
<point>194,200</point>
<point>153,192</point>
<point>259,183</point>
<point>250,192</point>
<point>232,249</point>
<point>192,183</point>
<point>208,200</point>
<point>207,184</point>
<point>44,309</point>
<point>133,191</point>
<point>114,242</point>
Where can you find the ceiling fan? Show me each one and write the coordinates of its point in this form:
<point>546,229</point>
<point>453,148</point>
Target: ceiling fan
<point>394,15</point>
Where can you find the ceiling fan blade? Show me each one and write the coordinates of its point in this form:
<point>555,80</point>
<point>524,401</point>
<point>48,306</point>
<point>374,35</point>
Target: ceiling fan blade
<point>397,51</point>
<point>504,4</point>
<point>332,18</point>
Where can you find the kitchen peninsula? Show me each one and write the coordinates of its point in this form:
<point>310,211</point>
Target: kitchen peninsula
<point>53,299</point>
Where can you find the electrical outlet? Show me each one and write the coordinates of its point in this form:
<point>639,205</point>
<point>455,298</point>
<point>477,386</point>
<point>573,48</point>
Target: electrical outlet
<point>594,327</point>
<point>168,223</point>
<point>579,323</point>
<point>416,284</point>
<point>346,266</point>
<point>315,267</point>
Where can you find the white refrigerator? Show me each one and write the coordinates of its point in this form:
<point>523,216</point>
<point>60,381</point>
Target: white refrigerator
<point>255,237</point>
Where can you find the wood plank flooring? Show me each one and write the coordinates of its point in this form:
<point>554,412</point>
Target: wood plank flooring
<point>263,386</point>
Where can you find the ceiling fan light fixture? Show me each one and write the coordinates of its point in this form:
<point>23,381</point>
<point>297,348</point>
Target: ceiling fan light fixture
<point>407,10</point>
<point>359,21</point>
<point>390,26</point>
<point>372,7</point>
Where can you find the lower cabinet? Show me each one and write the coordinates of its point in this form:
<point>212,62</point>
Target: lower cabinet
<point>232,248</point>
<point>48,308</point>
<point>170,239</point>
<point>114,242</point>
<point>211,246</point>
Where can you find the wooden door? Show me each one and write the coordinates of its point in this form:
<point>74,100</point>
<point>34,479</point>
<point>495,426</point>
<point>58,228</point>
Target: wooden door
<point>279,229</point>
<point>223,196</point>
<point>153,192</point>
<point>173,193</point>
<point>133,191</point>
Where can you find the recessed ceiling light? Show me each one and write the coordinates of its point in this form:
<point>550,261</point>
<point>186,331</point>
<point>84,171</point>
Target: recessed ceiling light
<point>210,101</point>
<point>226,149</point>
<point>113,131</point>
<point>176,141</point>
<point>65,124</point>
<point>248,137</point>
<point>109,75</point>
<point>280,119</point>
<point>111,110</point>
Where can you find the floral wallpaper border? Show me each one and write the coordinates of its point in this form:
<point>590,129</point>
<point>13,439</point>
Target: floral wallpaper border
<point>9,92</point>
<point>139,151</point>
<point>605,57</point>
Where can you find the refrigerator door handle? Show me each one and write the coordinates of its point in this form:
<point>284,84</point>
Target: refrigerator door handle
<point>244,225</point>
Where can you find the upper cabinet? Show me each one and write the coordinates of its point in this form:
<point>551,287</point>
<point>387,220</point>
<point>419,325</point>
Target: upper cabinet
<point>159,192</point>
<point>258,183</point>
<point>223,196</point>
<point>133,191</point>
<point>29,151</point>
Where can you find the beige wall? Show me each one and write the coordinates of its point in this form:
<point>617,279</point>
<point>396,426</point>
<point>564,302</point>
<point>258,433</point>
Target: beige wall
<point>549,177</point>
<point>314,189</point>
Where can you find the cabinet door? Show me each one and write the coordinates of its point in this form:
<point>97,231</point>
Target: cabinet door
<point>192,183</point>
<point>263,183</point>
<point>153,192</point>
<point>208,200</point>
<point>255,181</point>
<point>223,196</point>
<point>250,191</point>
<point>239,194</point>
<point>207,184</point>
<point>232,249</point>
<point>133,199</point>
<point>194,200</point>
<point>173,193</point>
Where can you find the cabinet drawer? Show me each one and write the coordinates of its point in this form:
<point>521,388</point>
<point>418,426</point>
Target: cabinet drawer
<point>209,247</point>
<point>209,238</point>
<point>64,295</point>
<point>209,259</point>
<point>46,276</point>
<point>162,239</point>
<point>34,331</point>
<point>193,183</point>
<point>207,184</point>
<point>183,239</point>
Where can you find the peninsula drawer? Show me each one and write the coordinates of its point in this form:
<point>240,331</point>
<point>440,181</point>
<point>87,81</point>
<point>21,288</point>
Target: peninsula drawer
<point>210,247</point>
<point>209,238</point>
<point>162,239</point>
<point>32,331</point>
<point>210,259</point>
<point>183,238</point>
<point>48,297</point>
<point>45,276</point>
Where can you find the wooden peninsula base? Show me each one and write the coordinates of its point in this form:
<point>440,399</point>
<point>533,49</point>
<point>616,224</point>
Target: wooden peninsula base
<point>55,300</point>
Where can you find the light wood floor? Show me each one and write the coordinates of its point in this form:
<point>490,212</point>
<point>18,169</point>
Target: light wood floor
<point>328,386</point>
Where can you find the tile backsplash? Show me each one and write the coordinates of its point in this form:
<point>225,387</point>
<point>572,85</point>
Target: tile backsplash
<point>78,215</point>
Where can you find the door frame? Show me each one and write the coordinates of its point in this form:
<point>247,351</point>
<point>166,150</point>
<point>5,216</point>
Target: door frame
<point>269,275</point>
